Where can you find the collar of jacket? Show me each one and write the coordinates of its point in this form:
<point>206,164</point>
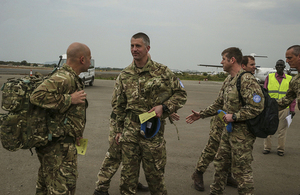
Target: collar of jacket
<point>68,68</point>
<point>296,77</point>
<point>132,69</point>
<point>234,79</point>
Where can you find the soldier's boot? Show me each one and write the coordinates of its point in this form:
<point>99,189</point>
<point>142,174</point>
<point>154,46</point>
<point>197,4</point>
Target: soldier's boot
<point>142,188</point>
<point>96,192</point>
<point>198,180</point>
<point>231,181</point>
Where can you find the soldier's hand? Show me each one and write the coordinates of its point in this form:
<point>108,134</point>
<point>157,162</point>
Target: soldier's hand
<point>192,117</point>
<point>158,110</point>
<point>78,140</point>
<point>228,118</point>
<point>78,97</point>
<point>118,137</point>
<point>175,117</point>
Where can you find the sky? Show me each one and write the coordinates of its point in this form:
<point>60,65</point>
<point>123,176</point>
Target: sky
<point>183,33</point>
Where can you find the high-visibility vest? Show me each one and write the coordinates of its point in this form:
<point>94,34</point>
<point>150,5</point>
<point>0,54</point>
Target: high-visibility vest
<point>277,90</point>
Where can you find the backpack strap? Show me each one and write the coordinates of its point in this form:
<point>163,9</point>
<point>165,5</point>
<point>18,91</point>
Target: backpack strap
<point>238,87</point>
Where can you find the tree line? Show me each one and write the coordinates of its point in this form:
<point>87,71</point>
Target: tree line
<point>24,63</point>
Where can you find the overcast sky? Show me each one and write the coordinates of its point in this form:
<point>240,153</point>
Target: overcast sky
<point>183,33</point>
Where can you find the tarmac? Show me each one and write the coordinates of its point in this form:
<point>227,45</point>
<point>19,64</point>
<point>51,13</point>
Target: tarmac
<point>272,174</point>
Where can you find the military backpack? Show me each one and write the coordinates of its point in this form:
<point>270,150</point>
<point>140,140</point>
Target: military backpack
<point>24,126</point>
<point>266,123</point>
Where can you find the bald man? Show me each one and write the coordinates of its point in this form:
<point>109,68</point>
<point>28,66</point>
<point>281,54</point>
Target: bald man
<point>65,98</point>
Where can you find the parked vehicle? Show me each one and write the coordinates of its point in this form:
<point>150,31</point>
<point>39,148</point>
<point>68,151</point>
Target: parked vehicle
<point>87,77</point>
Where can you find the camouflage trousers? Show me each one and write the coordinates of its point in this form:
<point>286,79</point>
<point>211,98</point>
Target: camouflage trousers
<point>235,151</point>
<point>153,156</point>
<point>58,171</point>
<point>209,152</point>
<point>109,165</point>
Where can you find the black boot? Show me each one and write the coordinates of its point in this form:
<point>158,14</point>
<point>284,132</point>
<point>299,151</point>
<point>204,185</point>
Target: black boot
<point>198,180</point>
<point>142,188</point>
<point>231,181</point>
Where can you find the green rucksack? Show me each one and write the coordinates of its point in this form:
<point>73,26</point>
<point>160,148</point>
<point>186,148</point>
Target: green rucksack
<point>25,124</point>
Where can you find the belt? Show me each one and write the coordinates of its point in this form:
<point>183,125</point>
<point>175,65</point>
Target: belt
<point>133,116</point>
<point>129,114</point>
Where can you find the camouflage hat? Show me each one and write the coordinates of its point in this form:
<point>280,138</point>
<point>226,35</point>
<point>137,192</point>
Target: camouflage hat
<point>150,128</point>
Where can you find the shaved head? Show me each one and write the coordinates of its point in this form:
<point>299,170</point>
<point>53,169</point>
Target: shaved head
<point>79,57</point>
<point>76,50</point>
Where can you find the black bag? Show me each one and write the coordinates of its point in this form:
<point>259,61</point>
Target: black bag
<point>266,123</point>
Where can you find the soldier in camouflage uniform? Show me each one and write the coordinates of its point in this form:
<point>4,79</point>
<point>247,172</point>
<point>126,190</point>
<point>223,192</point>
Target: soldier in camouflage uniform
<point>144,86</point>
<point>209,152</point>
<point>293,59</point>
<point>64,96</point>
<point>236,147</point>
<point>292,56</point>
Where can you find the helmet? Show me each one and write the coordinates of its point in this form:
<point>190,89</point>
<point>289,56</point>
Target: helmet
<point>150,128</point>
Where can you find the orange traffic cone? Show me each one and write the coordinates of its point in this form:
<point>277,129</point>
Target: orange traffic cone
<point>30,72</point>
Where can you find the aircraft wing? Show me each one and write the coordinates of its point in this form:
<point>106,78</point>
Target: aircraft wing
<point>258,56</point>
<point>211,65</point>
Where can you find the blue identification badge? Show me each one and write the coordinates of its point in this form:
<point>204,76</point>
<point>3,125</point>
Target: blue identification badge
<point>180,83</point>
<point>256,98</point>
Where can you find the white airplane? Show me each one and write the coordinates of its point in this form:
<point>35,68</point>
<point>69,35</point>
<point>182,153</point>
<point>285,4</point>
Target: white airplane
<point>260,73</point>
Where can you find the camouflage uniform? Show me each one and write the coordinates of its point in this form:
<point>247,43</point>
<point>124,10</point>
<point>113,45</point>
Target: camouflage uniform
<point>113,157</point>
<point>211,148</point>
<point>111,162</point>
<point>138,90</point>
<point>58,171</point>
<point>236,147</point>
<point>292,93</point>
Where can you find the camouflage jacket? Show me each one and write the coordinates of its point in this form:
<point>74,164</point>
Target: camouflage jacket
<point>113,127</point>
<point>216,124</point>
<point>230,102</point>
<point>292,93</point>
<point>139,90</point>
<point>55,94</point>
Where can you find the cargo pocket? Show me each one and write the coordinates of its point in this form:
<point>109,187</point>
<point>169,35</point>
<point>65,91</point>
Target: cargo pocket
<point>11,131</point>
<point>159,155</point>
<point>114,150</point>
<point>69,160</point>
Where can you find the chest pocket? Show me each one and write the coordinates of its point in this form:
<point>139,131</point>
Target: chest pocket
<point>231,99</point>
<point>157,90</point>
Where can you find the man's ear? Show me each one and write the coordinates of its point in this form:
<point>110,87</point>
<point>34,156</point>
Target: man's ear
<point>81,59</point>
<point>233,60</point>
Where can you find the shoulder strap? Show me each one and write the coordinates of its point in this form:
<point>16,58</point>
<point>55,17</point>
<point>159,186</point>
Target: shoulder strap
<point>238,87</point>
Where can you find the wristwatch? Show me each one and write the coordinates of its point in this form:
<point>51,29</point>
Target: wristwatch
<point>165,108</point>
<point>234,117</point>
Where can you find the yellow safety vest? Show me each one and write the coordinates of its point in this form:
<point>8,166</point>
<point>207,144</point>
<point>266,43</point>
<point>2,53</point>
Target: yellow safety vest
<point>277,90</point>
